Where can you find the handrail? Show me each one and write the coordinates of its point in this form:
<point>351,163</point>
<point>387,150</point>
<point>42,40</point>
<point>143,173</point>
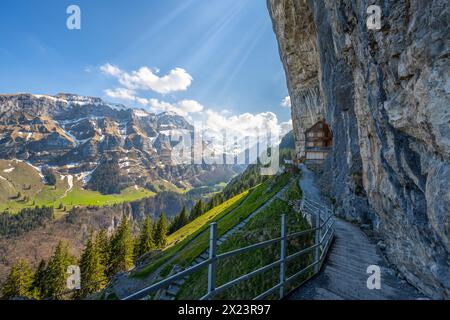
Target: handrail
<point>322,245</point>
<point>320,206</point>
<point>249,248</point>
<point>313,206</point>
<point>146,291</point>
<point>240,279</point>
<point>300,233</point>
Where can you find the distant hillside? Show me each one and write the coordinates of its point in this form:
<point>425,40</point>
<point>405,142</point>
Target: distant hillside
<point>251,176</point>
<point>288,141</point>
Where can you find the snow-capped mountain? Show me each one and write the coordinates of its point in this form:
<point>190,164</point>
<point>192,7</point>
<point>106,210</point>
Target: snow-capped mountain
<point>77,135</point>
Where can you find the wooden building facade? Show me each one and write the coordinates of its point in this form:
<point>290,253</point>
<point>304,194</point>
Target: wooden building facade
<point>318,141</point>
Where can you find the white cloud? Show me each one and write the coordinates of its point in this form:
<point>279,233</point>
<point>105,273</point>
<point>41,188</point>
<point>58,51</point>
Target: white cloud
<point>122,94</point>
<point>286,102</point>
<point>246,124</point>
<point>142,101</point>
<point>190,106</point>
<point>286,127</point>
<point>145,79</point>
<point>111,70</point>
<point>255,127</point>
<point>183,108</point>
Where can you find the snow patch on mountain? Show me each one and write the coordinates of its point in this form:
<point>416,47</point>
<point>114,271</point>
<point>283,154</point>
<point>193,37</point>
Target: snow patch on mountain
<point>141,113</point>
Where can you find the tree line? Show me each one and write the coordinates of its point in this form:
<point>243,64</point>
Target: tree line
<point>24,221</point>
<point>184,217</point>
<point>199,208</point>
<point>106,255</point>
<point>102,258</point>
<point>250,178</point>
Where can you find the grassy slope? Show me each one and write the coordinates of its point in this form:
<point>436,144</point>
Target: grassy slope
<point>81,197</point>
<point>264,226</point>
<point>187,235</point>
<point>26,180</point>
<point>189,249</point>
<point>201,222</point>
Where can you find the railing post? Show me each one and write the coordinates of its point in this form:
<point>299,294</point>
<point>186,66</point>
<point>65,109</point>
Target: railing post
<point>212,255</point>
<point>283,255</point>
<point>321,231</point>
<point>317,242</point>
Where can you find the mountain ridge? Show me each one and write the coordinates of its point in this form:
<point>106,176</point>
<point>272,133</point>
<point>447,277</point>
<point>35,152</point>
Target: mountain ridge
<point>76,135</point>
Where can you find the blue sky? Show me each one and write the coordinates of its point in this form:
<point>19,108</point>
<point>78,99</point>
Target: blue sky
<point>226,50</point>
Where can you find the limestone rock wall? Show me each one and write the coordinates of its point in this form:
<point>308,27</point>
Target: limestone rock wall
<point>386,96</point>
<point>300,56</point>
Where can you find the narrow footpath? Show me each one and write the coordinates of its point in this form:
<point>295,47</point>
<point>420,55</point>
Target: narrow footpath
<point>344,275</point>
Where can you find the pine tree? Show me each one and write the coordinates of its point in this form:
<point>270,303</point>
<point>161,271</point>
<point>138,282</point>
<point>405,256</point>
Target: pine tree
<point>39,280</point>
<point>136,249</point>
<point>198,209</point>
<point>19,282</point>
<point>194,211</point>
<point>146,242</point>
<point>160,231</point>
<point>103,245</point>
<point>93,276</point>
<point>121,255</point>
<point>174,223</point>
<point>184,217</point>
<point>202,207</point>
<point>56,272</point>
<point>180,220</point>
<point>212,203</point>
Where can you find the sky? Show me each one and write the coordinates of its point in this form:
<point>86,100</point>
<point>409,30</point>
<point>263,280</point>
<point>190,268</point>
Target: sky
<point>201,58</point>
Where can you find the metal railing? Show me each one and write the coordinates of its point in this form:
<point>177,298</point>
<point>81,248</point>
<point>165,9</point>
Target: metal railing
<point>324,221</point>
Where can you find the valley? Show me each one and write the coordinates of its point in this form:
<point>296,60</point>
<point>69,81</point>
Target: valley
<point>22,186</point>
<point>58,150</point>
<point>91,162</point>
<point>80,139</point>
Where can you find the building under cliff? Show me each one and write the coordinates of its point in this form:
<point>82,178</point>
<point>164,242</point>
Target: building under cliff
<point>318,142</point>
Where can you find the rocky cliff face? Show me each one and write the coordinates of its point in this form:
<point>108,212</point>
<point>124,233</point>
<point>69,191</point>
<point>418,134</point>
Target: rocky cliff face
<point>385,94</point>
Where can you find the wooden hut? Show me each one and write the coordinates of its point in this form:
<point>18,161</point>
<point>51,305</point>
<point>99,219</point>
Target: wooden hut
<point>318,140</point>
